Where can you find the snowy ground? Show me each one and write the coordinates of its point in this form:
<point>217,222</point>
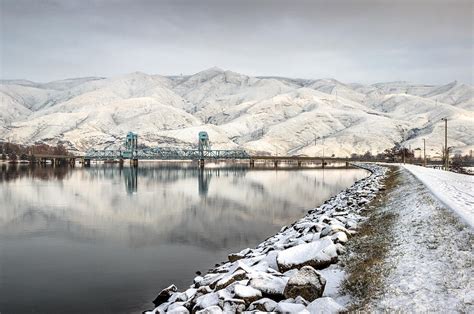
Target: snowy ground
<point>430,259</point>
<point>455,190</point>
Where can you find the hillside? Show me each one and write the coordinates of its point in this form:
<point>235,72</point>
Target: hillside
<point>266,114</point>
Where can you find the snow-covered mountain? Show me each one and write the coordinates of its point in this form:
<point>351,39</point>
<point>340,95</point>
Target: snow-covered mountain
<point>260,114</point>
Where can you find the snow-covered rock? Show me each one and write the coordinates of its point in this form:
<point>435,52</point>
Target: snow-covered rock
<point>264,304</point>
<point>306,283</point>
<point>247,293</point>
<point>290,307</point>
<point>211,310</point>
<point>318,254</point>
<point>269,285</point>
<point>164,295</point>
<point>325,305</point>
<point>279,275</point>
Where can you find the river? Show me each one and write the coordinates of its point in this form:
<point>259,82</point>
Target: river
<point>108,239</point>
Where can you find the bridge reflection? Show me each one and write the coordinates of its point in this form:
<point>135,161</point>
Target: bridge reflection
<point>169,174</point>
<point>130,176</point>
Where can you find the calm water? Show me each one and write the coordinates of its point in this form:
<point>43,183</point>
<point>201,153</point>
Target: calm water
<point>105,239</point>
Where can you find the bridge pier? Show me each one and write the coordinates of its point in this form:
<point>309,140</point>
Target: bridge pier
<point>299,163</point>
<point>323,163</point>
<point>86,162</point>
<point>275,163</point>
<point>134,162</point>
<point>201,163</point>
<point>347,164</point>
<point>252,163</point>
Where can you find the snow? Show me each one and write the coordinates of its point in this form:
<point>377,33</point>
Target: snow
<point>287,307</point>
<point>453,189</point>
<point>428,267</point>
<point>245,292</point>
<point>271,115</point>
<point>325,305</point>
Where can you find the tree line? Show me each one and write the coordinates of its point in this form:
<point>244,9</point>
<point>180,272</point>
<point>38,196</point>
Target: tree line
<point>12,151</point>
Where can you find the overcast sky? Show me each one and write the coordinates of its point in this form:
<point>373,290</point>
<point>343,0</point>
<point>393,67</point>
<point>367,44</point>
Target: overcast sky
<point>353,41</point>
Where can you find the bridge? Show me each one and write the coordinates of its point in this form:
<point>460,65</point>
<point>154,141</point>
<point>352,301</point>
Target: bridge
<point>133,153</point>
<point>202,154</point>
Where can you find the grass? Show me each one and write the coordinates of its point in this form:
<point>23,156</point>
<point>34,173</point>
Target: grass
<point>367,249</point>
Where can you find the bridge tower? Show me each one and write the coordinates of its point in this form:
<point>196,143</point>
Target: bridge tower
<point>131,147</point>
<point>203,145</point>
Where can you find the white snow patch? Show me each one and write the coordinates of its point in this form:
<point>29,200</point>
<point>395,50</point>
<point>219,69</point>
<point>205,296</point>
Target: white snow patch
<point>455,190</point>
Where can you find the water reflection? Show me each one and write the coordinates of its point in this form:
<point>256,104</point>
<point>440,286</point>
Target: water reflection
<point>131,179</point>
<point>107,238</point>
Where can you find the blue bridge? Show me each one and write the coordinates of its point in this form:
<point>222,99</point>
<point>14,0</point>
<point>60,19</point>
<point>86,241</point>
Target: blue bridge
<point>133,153</point>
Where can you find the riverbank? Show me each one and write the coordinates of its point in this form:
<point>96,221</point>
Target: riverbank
<point>414,253</point>
<point>294,270</point>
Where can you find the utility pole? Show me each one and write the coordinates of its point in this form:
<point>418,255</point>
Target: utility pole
<point>424,152</point>
<point>323,147</point>
<point>446,149</point>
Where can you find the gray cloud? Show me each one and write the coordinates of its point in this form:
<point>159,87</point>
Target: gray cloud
<point>366,41</point>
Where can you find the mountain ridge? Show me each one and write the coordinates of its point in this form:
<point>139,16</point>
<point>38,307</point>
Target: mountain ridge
<point>260,114</point>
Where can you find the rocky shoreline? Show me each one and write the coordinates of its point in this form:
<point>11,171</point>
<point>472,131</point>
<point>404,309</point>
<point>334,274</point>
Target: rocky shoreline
<point>286,272</point>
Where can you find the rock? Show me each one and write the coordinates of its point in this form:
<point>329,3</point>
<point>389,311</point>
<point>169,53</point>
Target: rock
<point>340,249</point>
<point>290,273</point>
<point>331,229</point>
<point>270,259</point>
<point>162,307</point>
<point>208,279</point>
<point>233,306</point>
<point>300,300</point>
<point>362,201</point>
<point>203,290</point>
<point>325,305</point>
<point>270,286</point>
<point>339,237</point>
<point>233,257</point>
<point>351,224</point>
<point>318,254</point>
<point>228,279</point>
<point>247,293</point>
<point>210,310</point>
<point>178,297</point>
<point>307,283</point>
<point>289,307</point>
<point>265,305</point>
<point>205,301</point>
<point>177,308</point>
<point>197,280</point>
<point>190,293</point>
<point>224,294</point>
<point>164,295</point>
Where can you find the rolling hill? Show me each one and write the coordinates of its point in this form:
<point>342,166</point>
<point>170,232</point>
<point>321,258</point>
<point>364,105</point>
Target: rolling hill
<point>272,115</point>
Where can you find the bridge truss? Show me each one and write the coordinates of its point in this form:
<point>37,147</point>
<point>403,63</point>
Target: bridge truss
<point>160,153</point>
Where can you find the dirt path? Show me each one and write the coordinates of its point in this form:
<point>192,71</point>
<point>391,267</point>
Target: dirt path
<point>412,254</point>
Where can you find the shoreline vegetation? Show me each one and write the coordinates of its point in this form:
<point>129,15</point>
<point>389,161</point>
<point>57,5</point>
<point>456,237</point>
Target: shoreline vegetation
<point>17,153</point>
<point>296,270</point>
